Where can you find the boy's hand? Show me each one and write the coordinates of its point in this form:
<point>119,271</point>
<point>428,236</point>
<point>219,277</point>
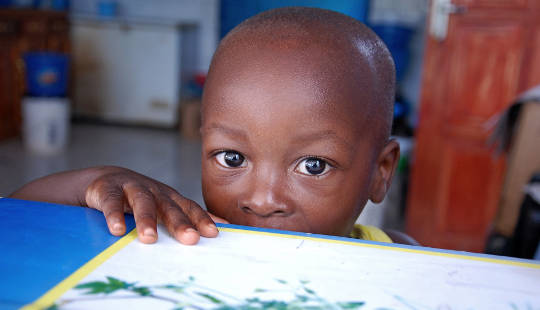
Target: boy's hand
<point>122,190</point>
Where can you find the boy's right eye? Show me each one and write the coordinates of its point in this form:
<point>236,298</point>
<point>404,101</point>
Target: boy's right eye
<point>231,159</point>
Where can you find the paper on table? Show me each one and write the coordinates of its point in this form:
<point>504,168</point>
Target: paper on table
<point>250,270</point>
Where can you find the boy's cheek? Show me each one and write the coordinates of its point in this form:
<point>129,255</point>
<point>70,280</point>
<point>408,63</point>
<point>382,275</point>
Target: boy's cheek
<point>219,201</point>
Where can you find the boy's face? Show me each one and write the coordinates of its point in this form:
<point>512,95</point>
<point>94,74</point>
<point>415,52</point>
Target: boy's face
<point>287,141</point>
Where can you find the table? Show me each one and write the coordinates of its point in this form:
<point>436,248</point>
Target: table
<point>41,244</point>
<point>62,255</point>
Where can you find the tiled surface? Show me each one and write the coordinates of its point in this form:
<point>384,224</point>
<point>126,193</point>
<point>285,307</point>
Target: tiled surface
<point>160,154</point>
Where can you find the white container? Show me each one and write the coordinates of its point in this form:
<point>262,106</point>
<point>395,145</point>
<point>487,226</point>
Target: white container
<point>45,124</point>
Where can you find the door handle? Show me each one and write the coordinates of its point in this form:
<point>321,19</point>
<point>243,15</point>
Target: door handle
<point>439,15</point>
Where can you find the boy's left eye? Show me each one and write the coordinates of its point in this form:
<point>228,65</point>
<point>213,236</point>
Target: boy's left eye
<point>313,166</point>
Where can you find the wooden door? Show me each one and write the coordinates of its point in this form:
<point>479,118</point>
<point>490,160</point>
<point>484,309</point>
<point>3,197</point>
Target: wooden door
<point>490,53</point>
<point>8,90</point>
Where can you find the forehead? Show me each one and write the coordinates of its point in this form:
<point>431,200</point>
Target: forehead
<point>290,75</point>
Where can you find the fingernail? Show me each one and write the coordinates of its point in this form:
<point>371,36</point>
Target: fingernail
<point>149,232</point>
<point>190,230</point>
<point>117,227</point>
<point>212,226</point>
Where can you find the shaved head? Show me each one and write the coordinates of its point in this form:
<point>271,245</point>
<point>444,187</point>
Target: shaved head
<point>345,51</point>
<point>296,117</point>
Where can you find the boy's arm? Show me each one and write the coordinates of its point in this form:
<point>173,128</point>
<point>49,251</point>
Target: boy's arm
<point>114,191</point>
<point>67,187</point>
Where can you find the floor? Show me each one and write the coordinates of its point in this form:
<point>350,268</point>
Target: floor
<point>160,154</point>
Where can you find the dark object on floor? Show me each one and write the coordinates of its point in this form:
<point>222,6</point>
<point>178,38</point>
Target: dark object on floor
<point>516,134</point>
<point>526,238</point>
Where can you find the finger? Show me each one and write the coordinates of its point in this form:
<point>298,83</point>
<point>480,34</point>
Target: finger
<point>200,218</point>
<point>113,209</point>
<point>109,200</point>
<point>177,222</point>
<point>217,219</point>
<point>144,208</point>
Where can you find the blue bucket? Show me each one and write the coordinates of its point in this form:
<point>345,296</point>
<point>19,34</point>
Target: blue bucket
<point>397,38</point>
<point>46,74</point>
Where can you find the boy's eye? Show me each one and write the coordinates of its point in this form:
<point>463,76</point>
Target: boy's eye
<point>313,166</point>
<point>231,159</point>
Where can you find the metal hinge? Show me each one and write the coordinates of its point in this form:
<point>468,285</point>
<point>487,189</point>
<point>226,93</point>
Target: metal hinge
<point>440,11</point>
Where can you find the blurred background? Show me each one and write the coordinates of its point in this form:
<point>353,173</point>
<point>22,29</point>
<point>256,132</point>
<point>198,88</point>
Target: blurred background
<point>102,82</point>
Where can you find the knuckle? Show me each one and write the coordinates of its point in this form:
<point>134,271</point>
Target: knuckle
<point>110,212</point>
<point>153,188</point>
<point>146,215</point>
<point>175,196</point>
<point>142,195</point>
<point>171,209</point>
<point>109,195</point>
<point>100,196</point>
<point>193,207</point>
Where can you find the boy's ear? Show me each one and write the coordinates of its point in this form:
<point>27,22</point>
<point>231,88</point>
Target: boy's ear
<point>386,165</point>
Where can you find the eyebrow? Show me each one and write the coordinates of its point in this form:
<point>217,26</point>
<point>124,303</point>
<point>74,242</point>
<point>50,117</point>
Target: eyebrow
<point>324,135</point>
<point>229,130</point>
<point>317,135</point>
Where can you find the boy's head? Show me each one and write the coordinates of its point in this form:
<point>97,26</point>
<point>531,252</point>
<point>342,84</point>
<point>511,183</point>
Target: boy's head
<point>296,117</point>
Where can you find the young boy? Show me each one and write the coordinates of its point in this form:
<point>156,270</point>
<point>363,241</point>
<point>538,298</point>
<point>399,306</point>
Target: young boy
<point>296,117</point>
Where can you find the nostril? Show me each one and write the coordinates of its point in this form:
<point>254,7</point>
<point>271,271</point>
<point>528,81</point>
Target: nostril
<point>247,210</point>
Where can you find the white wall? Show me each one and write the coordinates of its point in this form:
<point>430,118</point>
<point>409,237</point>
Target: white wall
<point>204,13</point>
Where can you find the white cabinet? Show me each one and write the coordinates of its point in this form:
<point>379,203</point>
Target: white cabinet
<point>126,71</point>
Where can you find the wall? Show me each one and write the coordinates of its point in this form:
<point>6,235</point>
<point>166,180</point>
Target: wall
<point>205,13</point>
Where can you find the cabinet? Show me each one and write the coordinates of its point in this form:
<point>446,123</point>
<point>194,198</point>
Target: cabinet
<point>127,71</point>
<point>22,31</point>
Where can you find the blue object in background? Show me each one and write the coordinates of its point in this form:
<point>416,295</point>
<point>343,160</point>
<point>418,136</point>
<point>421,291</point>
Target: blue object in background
<point>42,244</point>
<point>60,5</point>
<point>57,5</point>
<point>46,74</point>
<point>397,38</point>
<point>107,8</point>
<point>5,3</point>
<point>233,12</point>
<point>22,3</point>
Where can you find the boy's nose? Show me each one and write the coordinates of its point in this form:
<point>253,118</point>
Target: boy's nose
<point>265,199</point>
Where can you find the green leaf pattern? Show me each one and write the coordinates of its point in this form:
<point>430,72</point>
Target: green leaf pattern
<point>191,296</point>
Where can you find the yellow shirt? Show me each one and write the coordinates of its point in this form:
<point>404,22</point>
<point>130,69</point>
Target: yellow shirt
<point>370,233</point>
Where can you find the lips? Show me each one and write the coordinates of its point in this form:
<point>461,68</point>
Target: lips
<point>292,223</point>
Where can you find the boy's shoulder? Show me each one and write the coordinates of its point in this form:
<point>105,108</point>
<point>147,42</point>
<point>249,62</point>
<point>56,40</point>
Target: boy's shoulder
<point>371,233</point>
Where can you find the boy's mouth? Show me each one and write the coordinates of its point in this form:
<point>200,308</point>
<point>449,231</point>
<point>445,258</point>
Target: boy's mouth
<point>292,223</point>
